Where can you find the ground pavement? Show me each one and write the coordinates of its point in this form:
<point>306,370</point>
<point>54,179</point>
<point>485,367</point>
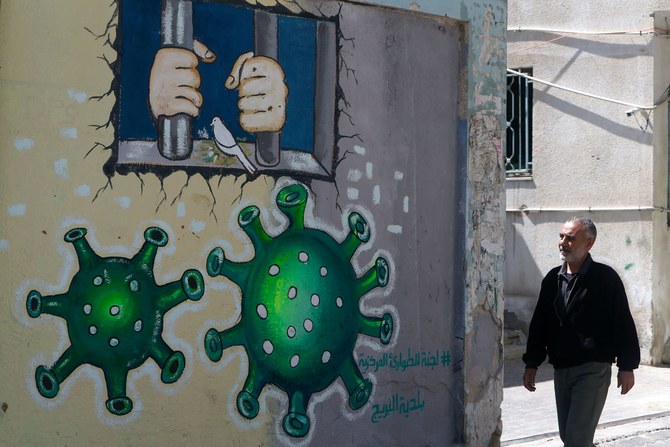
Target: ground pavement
<point>641,418</point>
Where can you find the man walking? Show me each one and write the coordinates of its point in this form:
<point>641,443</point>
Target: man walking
<point>583,323</point>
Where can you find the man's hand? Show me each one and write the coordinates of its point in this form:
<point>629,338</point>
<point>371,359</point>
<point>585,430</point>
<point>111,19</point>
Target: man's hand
<point>529,378</point>
<point>625,380</point>
<point>174,80</point>
<point>262,92</point>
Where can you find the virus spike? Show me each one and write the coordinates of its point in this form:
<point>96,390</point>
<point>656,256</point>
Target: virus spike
<point>251,224</point>
<point>292,201</point>
<point>359,234</point>
<point>191,286</point>
<point>216,342</point>
<point>117,403</point>
<point>154,238</point>
<point>247,399</point>
<point>296,422</point>
<point>218,265</point>
<point>173,367</point>
<point>359,389</point>
<point>172,363</point>
<point>48,380</point>
<point>57,305</point>
<point>86,256</point>
<point>247,404</point>
<point>381,328</point>
<point>377,276</point>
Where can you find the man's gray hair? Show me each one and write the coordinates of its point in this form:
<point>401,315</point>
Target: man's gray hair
<point>587,224</point>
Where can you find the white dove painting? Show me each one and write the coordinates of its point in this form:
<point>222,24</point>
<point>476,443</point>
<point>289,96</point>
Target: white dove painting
<point>226,143</point>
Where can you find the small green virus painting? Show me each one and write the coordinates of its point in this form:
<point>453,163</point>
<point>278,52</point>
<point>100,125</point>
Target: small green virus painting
<point>300,311</point>
<point>114,313</point>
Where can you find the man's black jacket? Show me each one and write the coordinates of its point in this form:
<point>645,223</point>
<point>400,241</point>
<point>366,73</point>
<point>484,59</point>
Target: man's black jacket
<point>596,326</point>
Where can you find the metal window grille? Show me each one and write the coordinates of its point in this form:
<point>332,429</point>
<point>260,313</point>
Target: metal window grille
<point>519,147</point>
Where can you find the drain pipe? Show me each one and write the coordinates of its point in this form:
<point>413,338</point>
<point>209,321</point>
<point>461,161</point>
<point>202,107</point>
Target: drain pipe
<point>552,209</point>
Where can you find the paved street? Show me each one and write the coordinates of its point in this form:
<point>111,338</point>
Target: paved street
<point>639,419</point>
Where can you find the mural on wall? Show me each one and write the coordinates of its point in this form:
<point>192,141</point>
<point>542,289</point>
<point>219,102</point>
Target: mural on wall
<point>231,88</point>
<point>300,316</point>
<point>114,312</point>
<point>282,94</point>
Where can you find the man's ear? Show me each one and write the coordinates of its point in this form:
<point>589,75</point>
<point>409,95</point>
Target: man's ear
<point>590,243</point>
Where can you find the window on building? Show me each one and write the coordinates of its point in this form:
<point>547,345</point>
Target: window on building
<point>519,148</point>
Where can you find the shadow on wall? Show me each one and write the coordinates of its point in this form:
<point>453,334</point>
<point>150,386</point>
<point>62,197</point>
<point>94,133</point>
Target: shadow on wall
<point>621,50</point>
<point>521,274</point>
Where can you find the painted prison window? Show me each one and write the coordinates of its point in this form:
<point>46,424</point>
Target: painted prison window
<point>302,49</point>
<point>519,148</point>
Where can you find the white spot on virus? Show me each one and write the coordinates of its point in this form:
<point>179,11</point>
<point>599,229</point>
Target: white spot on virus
<point>4,245</point>
<point>290,332</point>
<point>262,311</point>
<point>23,144</point>
<point>295,360</point>
<point>274,270</point>
<point>339,301</point>
<point>360,150</point>
<point>352,193</point>
<point>138,326</point>
<point>405,204</point>
<point>292,292</point>
<point>398,175</point>
<point>87,309</point>
<point>325,357</point>
<point>376,195</point>
<point>113,342</point>
<point>134,285</point>
<point>323,271</point>
<point>92,330</point>
<point>97,280</point>
<point>315,300</point>
<point>114,310</point>
<point>303,257</point>
<point>308,325</point>
<point>268,347</point>
<point>181,209</point>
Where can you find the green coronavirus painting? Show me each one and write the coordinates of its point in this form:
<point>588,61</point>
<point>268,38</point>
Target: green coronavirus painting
<point>114,313</point>
<point>300,314</point>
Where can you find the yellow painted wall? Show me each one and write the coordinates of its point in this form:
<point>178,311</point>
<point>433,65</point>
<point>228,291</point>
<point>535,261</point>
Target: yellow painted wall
<point>49,70</point>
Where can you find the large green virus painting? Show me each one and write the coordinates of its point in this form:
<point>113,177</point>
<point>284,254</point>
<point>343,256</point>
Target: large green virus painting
<point>114,313</point>
<point>300,312</point>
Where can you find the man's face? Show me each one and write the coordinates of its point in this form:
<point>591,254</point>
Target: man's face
<point>573,242</point>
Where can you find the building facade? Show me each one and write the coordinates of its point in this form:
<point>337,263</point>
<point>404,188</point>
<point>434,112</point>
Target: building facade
<point>588,135</point>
